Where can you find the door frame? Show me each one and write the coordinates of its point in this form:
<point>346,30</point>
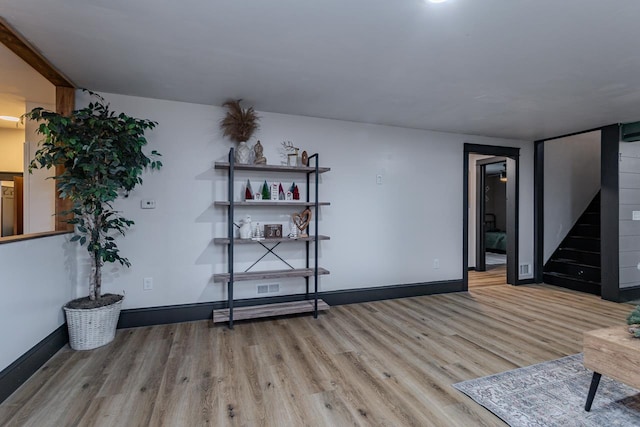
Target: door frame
<point>481,171</point>
<point>513,194</point>
<point>609,218</point>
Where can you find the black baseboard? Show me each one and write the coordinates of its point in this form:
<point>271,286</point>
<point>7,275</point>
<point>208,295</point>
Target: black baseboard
<point>530,281</point>
<point>136,317</point>
<point>352,296</point>
<point>201,311</point>
<point>629,294</point>
<point>26,365</point>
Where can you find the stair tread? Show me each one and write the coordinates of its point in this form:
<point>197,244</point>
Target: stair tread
<point>569,277</point>
<point>576,264</point>
<point>574,236</point>
<point>586,251</point>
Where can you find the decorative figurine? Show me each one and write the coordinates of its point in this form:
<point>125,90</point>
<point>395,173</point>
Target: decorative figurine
<point>258,232</point>
<point>245,227</point>
<point>302,221</point>
<point>296,193</point>
<point>280,192</point>
<point>274,191</point>
<point>304,159</point>
<point>288,195</point>
<point>259,157</point>
<point>293,230</point>
<point>248,192</point>
<point>266,194</point>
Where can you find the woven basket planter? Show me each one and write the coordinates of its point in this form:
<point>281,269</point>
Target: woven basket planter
<point>92,328</point>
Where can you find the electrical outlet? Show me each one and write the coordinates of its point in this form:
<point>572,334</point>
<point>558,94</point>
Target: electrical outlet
<point>147,283</point>
<point>436,263</point>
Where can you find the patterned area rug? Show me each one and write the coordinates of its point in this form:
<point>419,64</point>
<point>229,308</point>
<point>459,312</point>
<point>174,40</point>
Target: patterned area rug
<point>553,394</point>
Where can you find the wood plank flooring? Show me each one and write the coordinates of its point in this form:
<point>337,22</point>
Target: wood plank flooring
<point>388,363</point>
<point>495,275</point>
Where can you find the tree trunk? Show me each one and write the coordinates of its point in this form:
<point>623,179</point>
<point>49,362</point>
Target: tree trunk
<point>96,289</point>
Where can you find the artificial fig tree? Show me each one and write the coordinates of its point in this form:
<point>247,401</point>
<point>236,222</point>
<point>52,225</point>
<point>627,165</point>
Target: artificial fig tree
<point>102,158</point>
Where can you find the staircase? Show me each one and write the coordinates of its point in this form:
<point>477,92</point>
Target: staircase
<point>576,263</point>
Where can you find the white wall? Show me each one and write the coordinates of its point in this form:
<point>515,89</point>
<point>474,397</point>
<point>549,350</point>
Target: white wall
<point>571,180</point>
<point>380,234</point>
<point>629,230</point>
<point>39,190</point>
<point>36,278</point>
<point>11,141</point>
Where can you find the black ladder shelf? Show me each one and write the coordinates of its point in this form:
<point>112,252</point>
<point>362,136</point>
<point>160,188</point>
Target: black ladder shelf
<point>311,303</point>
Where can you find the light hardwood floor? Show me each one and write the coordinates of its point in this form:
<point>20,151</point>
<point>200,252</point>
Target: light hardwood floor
<point>382,363</point>
<point>494,275</point>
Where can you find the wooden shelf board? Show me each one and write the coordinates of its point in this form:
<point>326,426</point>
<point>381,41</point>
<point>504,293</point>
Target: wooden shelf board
<point>236,241</point>
<point>269,274</point>
<point>271,168</point>
<point>269,203</point>
<point>268,310</point>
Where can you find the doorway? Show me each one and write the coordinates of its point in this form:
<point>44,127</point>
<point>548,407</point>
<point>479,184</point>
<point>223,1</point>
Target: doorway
<point>481,230</point>
<point>491,213</point>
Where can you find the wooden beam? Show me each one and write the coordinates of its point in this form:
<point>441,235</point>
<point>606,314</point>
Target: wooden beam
<point>29,54</point>
<point>65,100</point>
<point>65,103</point>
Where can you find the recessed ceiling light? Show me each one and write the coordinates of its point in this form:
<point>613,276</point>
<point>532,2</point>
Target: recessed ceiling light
<point>10,118</point>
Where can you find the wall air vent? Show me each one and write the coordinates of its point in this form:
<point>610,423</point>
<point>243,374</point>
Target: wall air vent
<point>631,132</point>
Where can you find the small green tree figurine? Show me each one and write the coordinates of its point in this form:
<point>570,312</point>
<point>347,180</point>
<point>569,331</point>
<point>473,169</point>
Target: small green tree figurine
<point>101,152</point>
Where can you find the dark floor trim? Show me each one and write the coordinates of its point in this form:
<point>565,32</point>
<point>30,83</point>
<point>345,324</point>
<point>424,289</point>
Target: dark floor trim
<point>201,311</point>
<point>352,296</point>
<point>26,365</point>
<point>136,317</point>
<point>629,294</point>
<point>531,281</point>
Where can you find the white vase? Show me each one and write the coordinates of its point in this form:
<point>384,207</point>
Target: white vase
<point>242,153</point>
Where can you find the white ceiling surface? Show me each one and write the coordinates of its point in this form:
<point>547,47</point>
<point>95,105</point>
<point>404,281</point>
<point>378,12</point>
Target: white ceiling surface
<point>517,69</point>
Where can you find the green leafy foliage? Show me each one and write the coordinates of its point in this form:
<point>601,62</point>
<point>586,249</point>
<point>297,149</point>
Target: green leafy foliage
<point>101,152</point>
<point>634,317</point>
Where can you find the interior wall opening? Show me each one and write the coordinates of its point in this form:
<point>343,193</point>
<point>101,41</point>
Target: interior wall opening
<point>491,220</point>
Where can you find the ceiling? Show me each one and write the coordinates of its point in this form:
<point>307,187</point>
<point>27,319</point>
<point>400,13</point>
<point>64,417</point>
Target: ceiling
<point>516,69</point>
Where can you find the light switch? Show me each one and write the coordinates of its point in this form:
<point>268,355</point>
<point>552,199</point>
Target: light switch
<point>636,216</point>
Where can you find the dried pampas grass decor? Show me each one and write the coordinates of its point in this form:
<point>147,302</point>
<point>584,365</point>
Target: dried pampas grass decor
<point>239,124</point>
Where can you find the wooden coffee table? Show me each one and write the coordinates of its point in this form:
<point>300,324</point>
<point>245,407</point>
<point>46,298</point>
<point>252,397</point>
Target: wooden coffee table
<point>613,352</point>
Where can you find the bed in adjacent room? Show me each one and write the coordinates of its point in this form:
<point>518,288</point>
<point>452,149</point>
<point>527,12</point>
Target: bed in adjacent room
<point>495,240</point>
